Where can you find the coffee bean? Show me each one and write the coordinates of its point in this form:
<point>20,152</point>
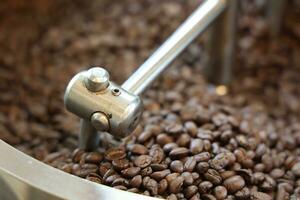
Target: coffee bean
<point>143,161</point>
<point>159,175</point>
<point>77,154</point>
<point>220,192</point>
<point>260,196</point>
<point>152,186</point>
<point>177,166</point>
<point>188,178</point>
<point>296,169</point>
<point>208,197</point>
<point>174,129</point>
<point>120,181</point>
<point>146,171</point>
<point>172,197</point>
<point>144,136</point>
<point>93,157</point>
<point>190,164</point>
<point>162,186</point>
<point>115,154</point>
<point>205,187</point>
<point>104,167</point>
<point>190,191</point>
<point>131,171</point>
<point>158,167</point>
<point>171,177</point>
<point>191,128</point>
<point>234,183</point>
<point>196,146</point>
<point>243,193</point>
<point>176,185</point>
<point>136,181</point>
<point>184,140</point>
<point>138,149</point>
<point>169,147</point>
<point>157,154</point>
<point>222,160</point>
<point>163,139</point>
<point>202,157</point>
<point>120,187</point>
<point>213,176</point>
<point>178,153</point>
<point>202,167</point>
<point>120,164</point>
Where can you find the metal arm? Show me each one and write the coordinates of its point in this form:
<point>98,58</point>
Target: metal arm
<point>177,42</point>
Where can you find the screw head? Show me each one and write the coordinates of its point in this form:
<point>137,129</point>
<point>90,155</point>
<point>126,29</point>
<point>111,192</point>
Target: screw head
<point>96,79</point>
<point>100,121</point>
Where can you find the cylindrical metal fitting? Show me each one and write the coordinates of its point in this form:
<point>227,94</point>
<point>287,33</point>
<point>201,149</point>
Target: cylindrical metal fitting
<point>96,79</point>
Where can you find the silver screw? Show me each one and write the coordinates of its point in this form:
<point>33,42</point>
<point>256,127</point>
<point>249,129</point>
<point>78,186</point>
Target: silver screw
<point>100,121</point>
<point>97,79</point>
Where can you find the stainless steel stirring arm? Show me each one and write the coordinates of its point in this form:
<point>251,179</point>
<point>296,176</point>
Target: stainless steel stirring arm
<point>104,106</point>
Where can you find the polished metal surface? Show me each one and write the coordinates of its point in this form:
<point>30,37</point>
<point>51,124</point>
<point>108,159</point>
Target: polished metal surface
<point>24,178</point>
<point>100,121</point>
<point>96,79</point>
<point>174,45</point>
<point>89,137</point>
<point>121,108</point>
<point>221,45</point>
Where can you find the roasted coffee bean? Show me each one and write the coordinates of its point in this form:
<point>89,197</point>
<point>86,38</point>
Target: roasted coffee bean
<point>190,164</point>
<point>260,196</point>
<point>159,175</point>
<point>77,154</point>
<point>115,154</point>
<point>158,167</point>
<point>120,187</point>
<point>234,183</point>
<point>172,197</point>
<point>191,128</point>
<point>296,169</point>
<point>120,164</point>
<point>138,149</point>
<point>188,178</point>
<point>222,160</point>
<point>120,181</point>
<point>196,146</point>
<point>104,167</point>
<point>163,139</point>
<point>202,167</point>
<point>162,186</point>
<point>144,136</point>
<point>143,161</point>
<point>183,140</point>
<point>227,174</point>
<point>131,171</point>
<point>108,180</point>
<point>136,181</point>
<point>174,129</point>
<point>220,192</point>
<point>94,178</point>
<point>146,171</point>
<point>169,147</point>
<point>205,187</point>
<point>202,157</point>
<point>93,157</point>
<point>190,191</point>
<point>208,197</point>
<point>243,194</point>
<point>177,166</point>
<point>175,185</point>
<point>171,177</point>
<point>157,154</point>
<point>213,176</point>
<point>152,186</point>
<point>195,197</point>
<point>178,153</point>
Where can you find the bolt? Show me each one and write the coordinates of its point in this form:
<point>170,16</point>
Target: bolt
<point>100,121</point>
<point>96,79</point>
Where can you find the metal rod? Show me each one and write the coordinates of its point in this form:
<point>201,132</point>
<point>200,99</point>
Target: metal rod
<point>200,19</point>
<point>88,136</point>
<point>221,46</point>
<point>275,12</point>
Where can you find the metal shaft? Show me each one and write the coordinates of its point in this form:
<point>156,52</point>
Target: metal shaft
<point>174,45</point>
<point>221,46</point>
<point>275,12</point>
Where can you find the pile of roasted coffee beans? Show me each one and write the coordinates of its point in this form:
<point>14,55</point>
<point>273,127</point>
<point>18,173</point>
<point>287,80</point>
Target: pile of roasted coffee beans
<point>192,143</point>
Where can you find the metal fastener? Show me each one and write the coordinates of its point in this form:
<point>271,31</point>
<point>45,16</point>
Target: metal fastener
<point>97,79</point>
<point>100,121</point>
